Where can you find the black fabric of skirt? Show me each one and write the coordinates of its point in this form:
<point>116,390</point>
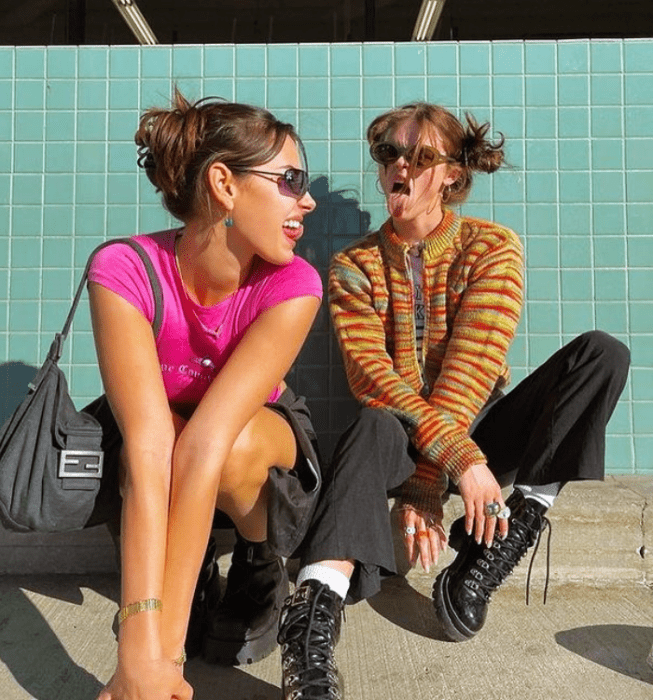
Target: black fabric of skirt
<point>292,492</point>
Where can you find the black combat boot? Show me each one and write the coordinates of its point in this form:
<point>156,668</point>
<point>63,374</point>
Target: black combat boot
<point>308,634</point>
<point>243,627</point>
<point>462,591</point>
<point>205,599</point>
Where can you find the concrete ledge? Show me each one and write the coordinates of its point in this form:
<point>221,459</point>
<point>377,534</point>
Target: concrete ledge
<point>86,552</point>
<point>601,532</point>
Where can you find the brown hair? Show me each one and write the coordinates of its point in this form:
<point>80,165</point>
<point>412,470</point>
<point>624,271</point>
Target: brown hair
<point>176,147</point>
<point>466,144</point>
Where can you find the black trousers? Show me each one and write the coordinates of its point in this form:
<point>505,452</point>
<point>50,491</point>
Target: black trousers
<point>549,428</point>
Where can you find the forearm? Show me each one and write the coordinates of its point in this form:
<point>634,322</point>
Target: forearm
<point>440,438</point>
<point>144,526</point>
<point>195,482</point>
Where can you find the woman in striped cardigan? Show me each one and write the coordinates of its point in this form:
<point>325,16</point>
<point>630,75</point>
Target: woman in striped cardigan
<point>425,310</point>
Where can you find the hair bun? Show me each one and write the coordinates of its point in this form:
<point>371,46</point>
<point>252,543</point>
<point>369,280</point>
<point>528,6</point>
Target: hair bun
<point>477,151</point>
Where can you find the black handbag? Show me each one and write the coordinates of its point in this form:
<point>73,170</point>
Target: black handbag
<point>54,471</point>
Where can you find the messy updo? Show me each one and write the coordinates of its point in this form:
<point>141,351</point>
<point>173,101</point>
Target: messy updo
<point>466,144</point>
<point>176,147</point>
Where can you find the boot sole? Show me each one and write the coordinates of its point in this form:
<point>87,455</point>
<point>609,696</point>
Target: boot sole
<point>238,653</point>
<point>453,628</point>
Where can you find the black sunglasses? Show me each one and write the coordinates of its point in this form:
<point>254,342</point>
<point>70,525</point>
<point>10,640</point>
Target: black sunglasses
<point>291,183</point>
<point>386,153</point>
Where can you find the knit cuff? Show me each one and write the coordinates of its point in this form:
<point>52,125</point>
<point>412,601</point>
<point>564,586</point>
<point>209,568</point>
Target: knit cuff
<point>428,496</point>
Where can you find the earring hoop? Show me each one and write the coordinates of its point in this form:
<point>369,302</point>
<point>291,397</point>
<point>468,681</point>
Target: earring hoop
<point>446,194</point>
<point>379,189</point>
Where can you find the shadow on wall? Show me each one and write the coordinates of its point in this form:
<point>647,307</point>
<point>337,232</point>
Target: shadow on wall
<point>14,380</point>
<point>319,375</point>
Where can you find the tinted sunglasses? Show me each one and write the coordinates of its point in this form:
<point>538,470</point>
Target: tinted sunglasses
<point>386,153</point>
<point>291,183</point>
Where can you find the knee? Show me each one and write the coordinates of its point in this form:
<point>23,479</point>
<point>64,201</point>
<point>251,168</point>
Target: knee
<point>614,355</point>
<point>369,447</point>
<point>378,422</point>
<point>245,469</point>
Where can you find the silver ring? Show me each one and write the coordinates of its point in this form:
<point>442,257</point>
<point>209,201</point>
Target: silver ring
<point>504,513</point>
<point>491,510</point>
<point>410,530</point>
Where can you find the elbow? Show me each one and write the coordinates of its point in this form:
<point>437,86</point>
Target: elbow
<point>198,458</point>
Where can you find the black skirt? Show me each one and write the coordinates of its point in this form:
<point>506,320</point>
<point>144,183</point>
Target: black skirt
<point>292,492</point>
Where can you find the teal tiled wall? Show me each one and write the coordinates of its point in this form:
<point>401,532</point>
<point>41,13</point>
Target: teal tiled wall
<point>578,118</point>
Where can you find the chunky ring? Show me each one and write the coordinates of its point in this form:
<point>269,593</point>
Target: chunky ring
<point>492,509</point>
<point>410,530</point>
<point>422,533</point>
<point>504,513</point>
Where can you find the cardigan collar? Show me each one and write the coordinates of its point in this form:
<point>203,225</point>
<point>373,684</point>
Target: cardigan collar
<point>434,244</point>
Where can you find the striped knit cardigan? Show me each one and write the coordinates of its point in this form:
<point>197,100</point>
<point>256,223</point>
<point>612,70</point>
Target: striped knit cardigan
<point>473,283</point>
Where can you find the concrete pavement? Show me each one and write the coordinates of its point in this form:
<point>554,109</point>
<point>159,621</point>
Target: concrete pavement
<point>589,642</point>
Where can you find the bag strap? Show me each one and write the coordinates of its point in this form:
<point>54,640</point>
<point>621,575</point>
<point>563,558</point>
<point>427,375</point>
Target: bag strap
<point>56,349</point>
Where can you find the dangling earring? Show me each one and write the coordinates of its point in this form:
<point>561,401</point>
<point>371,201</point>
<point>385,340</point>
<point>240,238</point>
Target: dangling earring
<point>228,222</point>
<point>379,189</point>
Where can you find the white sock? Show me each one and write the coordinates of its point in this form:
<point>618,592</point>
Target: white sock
<point>543,493</point>
<point>334,579</point>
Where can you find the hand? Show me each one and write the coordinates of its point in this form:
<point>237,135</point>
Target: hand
<point>478,487</point>
<point>429,539</point>
<point>157,679</point>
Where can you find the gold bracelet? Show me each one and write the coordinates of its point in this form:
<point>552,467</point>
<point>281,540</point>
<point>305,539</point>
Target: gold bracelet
<point>181,660</point>
<point>137,607</point>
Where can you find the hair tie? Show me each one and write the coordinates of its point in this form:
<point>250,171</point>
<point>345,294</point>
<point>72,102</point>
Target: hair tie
<point>145,159</point>
<point>469,141</point>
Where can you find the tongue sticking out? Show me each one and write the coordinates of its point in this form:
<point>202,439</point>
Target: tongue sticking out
<point>397,199</point>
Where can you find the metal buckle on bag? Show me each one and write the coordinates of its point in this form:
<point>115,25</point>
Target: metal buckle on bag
<point>81,464</point>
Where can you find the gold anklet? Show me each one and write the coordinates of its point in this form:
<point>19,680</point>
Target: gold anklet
<point>137,607</point>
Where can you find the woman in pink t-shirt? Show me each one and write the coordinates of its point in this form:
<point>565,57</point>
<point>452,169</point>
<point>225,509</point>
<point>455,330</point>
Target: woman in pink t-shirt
<point>204,413</point>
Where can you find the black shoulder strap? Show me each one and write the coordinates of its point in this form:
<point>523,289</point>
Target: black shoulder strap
<point>57,346</point>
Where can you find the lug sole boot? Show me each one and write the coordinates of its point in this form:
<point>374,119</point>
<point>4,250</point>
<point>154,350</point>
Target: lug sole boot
<point>308,634</point>
<point>242,629</point>
<point>462,591</point>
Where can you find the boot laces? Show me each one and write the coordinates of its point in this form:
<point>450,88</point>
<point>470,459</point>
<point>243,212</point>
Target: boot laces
<point>308,638</point>
<point>546,525</point>
<point>496,563</point>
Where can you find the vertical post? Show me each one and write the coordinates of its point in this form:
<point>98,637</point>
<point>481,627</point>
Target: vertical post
<point>76,26</point>
<point>370,20</point>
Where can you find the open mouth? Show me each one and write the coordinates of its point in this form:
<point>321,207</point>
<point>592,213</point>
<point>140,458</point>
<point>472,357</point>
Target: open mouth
<point>293,229</point>
<point>401,187</point>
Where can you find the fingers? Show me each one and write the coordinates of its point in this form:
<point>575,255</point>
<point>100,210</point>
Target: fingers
<point>432,542</point>
<point>424,537</point>
<point>424,546</point>
<point>478,488</point>
<point>503,526</point>
<point>409,516</point>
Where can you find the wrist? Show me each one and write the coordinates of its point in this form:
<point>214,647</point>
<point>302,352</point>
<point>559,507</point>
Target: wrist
<point>140,638</point>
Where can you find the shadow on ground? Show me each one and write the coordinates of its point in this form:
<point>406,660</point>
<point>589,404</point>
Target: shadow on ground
<point>399,603</point>
<point>210,682</point>
<point>622,648</point>
<point>32,651</point>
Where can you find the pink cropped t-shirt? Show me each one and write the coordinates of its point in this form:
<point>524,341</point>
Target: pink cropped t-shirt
<point>195,341</point>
